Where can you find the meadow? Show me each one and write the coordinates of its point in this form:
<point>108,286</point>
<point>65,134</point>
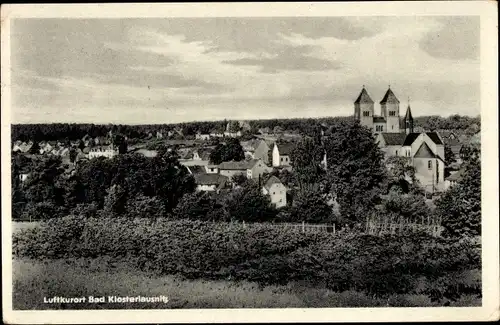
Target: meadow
<point>34,280</point>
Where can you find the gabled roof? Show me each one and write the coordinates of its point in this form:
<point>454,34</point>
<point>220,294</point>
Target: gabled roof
<point>408,115</point>
<point>363,98</point>
<point>196,170</point>
<point>238,165</point>
<point>271,181</point>
<point>379,119</point>
<point>285,148</point>
<point>250,145</point>
<point>410,138</point>
<point>456,176</point>
<point>389,97</point>
<point>211,179</point>
<point>434,137</point>
<point>394,139</point>
<point>424,152</point>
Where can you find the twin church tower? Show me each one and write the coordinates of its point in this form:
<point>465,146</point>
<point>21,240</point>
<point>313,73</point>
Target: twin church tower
<point>389,121</point>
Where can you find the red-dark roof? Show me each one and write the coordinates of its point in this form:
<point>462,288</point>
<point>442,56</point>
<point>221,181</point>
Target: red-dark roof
<point>285,148</point>
<point>394,139</point>
<point>408,115</point>
<point>410,138</point>
<point>238,165</point>
<point>389,97</point>
<point>363,98</point>
<point>210,179</point>
<point>434,137</point>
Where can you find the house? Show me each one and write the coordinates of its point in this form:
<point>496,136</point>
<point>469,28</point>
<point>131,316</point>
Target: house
<point>264,131</point>
<point>103,151</point>
<point>202,136</point>
<point>195,156</point>
<point>276,191</point>
<point>159,135</point>
<point>256,149</point>
<point>16,146</point>
<point>281,154</point>
<point>232,134</point>
<point>252,169</point>
<point>46,147</point>
<point>454,178</point>
<point>210,182</point>
<point>147,153</point>
<point>425,152</point>
<point>208,169</point>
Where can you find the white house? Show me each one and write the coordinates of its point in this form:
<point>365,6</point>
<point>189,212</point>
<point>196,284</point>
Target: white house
<point>102,151</point>
<point>282,154</point>
<point>201,136</point>
<point>276,191</point>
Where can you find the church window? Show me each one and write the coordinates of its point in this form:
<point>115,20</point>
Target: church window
<point>379,128</point>
<point>392,113</point>
<point>429,164</point>
<point>366,113</point>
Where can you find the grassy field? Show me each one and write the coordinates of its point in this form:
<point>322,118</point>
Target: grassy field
<point>34,280</point>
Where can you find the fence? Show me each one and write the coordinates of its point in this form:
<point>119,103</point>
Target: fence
<point>298,227</point>
<point>398,225</point>
<point>373,226</point>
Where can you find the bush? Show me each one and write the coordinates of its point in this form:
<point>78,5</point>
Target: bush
<point>376,265</point>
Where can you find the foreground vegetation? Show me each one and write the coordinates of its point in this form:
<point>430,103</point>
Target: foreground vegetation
<point>380,266</point>
<point>34,280</point>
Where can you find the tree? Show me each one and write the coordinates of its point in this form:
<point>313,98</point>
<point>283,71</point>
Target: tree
<point>355,169</point>
<point>231,150</point>
<point>198,206</point>
<point>120,142</point>
<point>460,206</point>
<point>401,174</point>
<point>145,207</point>
<point>249,204</point>
<point>307,157</point>
<point>35,148</point>
<point>311,206</point>
<point>43,184</point>
<point>116,200</point>
<point>410,206</point>
<point>239,179</point>
<point>234,127</point>
<point>449,155</point>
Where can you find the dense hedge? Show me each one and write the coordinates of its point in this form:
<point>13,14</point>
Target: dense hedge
<point>377,265</point>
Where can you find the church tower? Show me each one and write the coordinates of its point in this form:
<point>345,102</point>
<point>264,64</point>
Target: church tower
<point>390,111</point>
<point>364,109</point>
<point>408,120</point>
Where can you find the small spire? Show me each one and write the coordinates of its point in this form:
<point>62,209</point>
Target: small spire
<point>363,86</point>
<point>389,86</point>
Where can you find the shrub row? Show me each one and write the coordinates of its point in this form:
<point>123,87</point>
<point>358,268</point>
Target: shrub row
<point>377,265</point>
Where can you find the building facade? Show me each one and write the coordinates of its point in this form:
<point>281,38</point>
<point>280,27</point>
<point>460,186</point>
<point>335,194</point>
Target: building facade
<point>424,150</point>
<point>276,191</point>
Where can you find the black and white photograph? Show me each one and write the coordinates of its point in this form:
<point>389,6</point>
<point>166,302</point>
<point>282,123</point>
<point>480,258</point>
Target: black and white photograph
<point>330,161</point>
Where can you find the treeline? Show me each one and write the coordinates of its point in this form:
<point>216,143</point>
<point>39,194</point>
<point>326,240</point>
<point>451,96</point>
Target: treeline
<point>453,122</point>
<point>310,126</point>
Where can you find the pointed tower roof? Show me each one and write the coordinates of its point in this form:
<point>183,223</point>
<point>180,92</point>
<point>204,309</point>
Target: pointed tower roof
<point>364,98</point>
<point>408,115</point>
<point>389,97</point>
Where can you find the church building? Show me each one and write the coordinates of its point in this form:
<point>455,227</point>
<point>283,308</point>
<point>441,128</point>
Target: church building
<point>425,151</point>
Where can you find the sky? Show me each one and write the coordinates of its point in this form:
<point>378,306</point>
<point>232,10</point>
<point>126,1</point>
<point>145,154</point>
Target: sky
<point>169,70</point>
